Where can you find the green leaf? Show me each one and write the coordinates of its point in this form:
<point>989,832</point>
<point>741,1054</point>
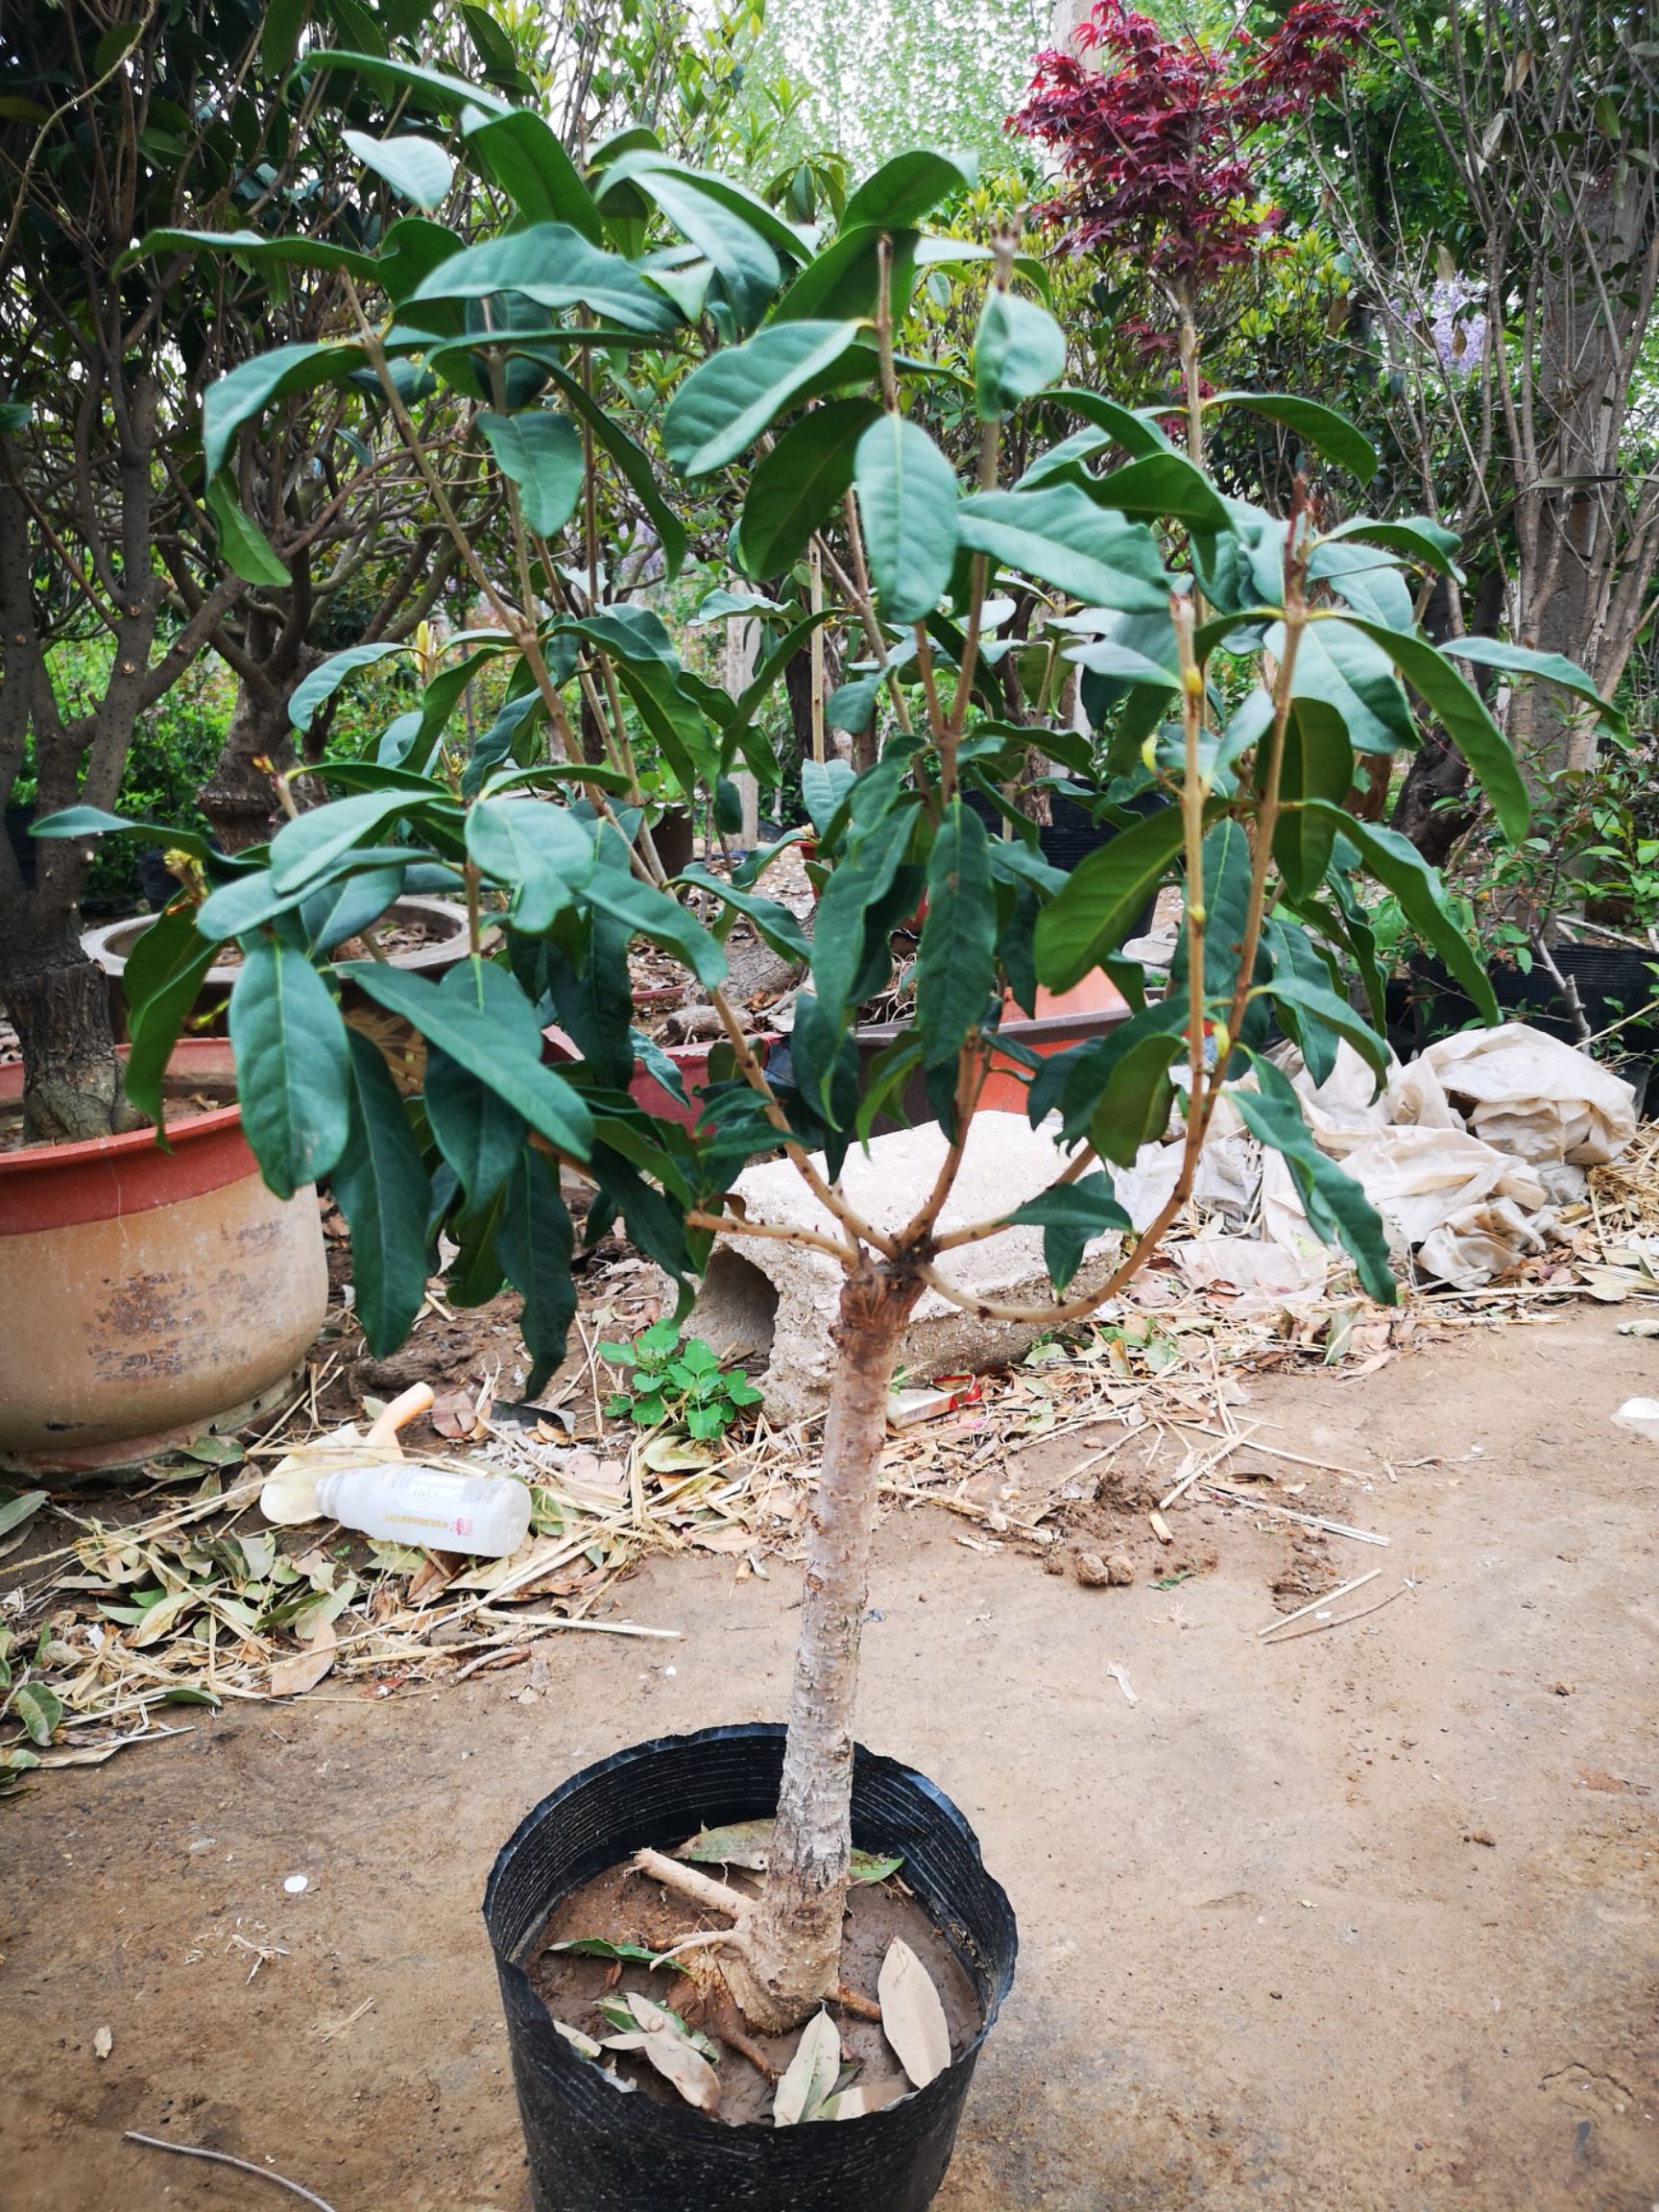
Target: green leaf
<point>631,1954</point>
<point>251,386</point>
<point>956,968</point>
<point>541,453</point>
<point>1161,484</point>
<point>909,187</point>
<point>1337,1209</point>
<point>1135,432</point>
<point>447,95</point>
<point>777,925</point>
<point>39,1710</point>
<point>856,887</point>
<point>727,230</point>
<point>262,249</point>
<point>1331,435</point>
<point>20,1506</point>
<point>1227,873</point>
<point>1018,350</point>
<point>1092,912</point>
<point>309,846</point>
<point>535,1241</point>
<point>478,1133</point>
<point>728,401</point>
<point>1303,995</point>
<point>417,167</point>
<point>845,279</point>
<point>1071,1215</point>
<point>280,34</point>
<point>161,982</point>
<point>479,1015</point>
<point>382,1188</point>
<point>292,1067</point>
<point>316,689</point>
<point>1417,536</point>
<point>522,153</point>
<point>651,913</point>
<point>633,464</point>
<point>15,415</point>
<point>907,498</point>
<point>538,852</point>
<point>1465,719</point>
<point>1133,1108</point>
<point>1338,667</point>
<point>1397,865</point>
<point>1549,668</point>
<point>554,266</point>
<point>245,549</point>
<point>799,484</point>
<point>1317,763</point>
<point>1060,536</point>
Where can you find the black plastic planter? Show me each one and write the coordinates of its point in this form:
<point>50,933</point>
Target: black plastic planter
<point>593,2149</point>
<point>1613,981</point>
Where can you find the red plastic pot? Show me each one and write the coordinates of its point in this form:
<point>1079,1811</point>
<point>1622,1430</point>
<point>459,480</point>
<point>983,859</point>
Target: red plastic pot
<point>649,1094</point>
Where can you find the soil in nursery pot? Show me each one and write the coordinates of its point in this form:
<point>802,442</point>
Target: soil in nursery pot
<point>187,1099</point>
<point>625,1907</point>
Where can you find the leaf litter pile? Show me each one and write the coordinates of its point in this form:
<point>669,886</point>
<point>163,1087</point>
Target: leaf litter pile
<point>639,1993</point>
<point>123,1608</point>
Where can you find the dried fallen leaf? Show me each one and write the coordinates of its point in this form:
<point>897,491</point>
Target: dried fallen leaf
<point>663,2038</point>
<point>291,1677</point>
<point>676,1454</point>
<point>912,2017</point>
<point>103,2042</point>
<point>810,2079</point>
<point>748,1843</point>
<point>866,2097</point>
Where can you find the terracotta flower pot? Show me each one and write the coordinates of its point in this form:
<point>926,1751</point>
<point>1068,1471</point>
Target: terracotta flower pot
<point>148,1295</point>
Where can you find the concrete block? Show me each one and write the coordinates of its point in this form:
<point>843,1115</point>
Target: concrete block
<point>763,1295</point>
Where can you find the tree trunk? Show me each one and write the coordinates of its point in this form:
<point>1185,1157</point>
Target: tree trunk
<point>238,799</point>
<point>791,1955</point>
<point>59,1002</point>
<point>1438,772</point>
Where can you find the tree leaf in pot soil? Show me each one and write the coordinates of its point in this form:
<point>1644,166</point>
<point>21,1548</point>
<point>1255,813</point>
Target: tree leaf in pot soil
<point>629,1954</point>
<point>912,2016</point>
<point>866,2097</point>
<point>748,1843</point>
<point>810,2079</point>
<point>676,2051</point>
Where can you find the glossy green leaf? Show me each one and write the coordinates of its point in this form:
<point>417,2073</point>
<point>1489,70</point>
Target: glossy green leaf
<point>777,927</point>
<point>651,913</point>
<point>292,1067</point>
<point>534,1240</point>
<point>310,845</point>
<point>1549,668</point>
<point>38,1709</point>
<point>417,167</point>
<point>1465,716</point>
<point>1337,1209</point>
<point>731,237</point>
<point>1397,865</point>
<point>1339,666</point>
<point>479,1015</point>
<point>541,453</point>
<point>477,1132</point>
<point>382,1187</point>
<point>799,485</point>
<point>1018,350</point>
<point>262,251</point>
<point>728,401</point>
<point>522,153</point>
<point>1162,486</point>
<point>1417,536</point>
<point>1094,912</point>
<point>245,549</point>
<point>554,266</point>
<point>1331,435</point>
<point>1059,535</point>
<point>162,980</point>
<point>246,391</point>
<point>955,958</point>
<point>633,464</point>
<point>907,187</point>
<point>316,689</point>
<point>1135,433</point>
<point>908,501</point>
<point>430,87</point>
<point>1306,996</point>
<point>1071,1215</point>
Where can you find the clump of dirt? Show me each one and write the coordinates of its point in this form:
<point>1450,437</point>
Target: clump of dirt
<point>622,1907</point>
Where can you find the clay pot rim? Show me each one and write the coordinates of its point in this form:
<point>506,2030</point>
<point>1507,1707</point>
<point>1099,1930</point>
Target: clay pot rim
<point>420,906</point>
<point>208,1054</point>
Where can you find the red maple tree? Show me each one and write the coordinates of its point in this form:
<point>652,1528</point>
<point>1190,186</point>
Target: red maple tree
<point>1156,145</point>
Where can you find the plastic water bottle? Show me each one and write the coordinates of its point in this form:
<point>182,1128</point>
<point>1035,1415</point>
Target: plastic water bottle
<point>439,1509</point>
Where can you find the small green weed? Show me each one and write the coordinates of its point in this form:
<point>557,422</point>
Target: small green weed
<point>668,1381</point>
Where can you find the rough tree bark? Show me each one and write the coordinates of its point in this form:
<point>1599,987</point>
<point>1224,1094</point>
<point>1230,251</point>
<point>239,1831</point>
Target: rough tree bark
<point>790,1957</point>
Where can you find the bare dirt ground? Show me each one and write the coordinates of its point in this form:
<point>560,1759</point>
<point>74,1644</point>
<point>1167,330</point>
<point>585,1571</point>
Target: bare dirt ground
<point>1368,1922</point>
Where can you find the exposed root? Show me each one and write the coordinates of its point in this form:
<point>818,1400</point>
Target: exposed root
<point>689,1881</point>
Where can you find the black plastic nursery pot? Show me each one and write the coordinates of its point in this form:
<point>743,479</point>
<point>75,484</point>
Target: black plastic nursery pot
<point>1613,981</point>
<point>593,2149</point>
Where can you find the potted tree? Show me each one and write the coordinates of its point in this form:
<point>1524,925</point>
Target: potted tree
<point>1258,665</point>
